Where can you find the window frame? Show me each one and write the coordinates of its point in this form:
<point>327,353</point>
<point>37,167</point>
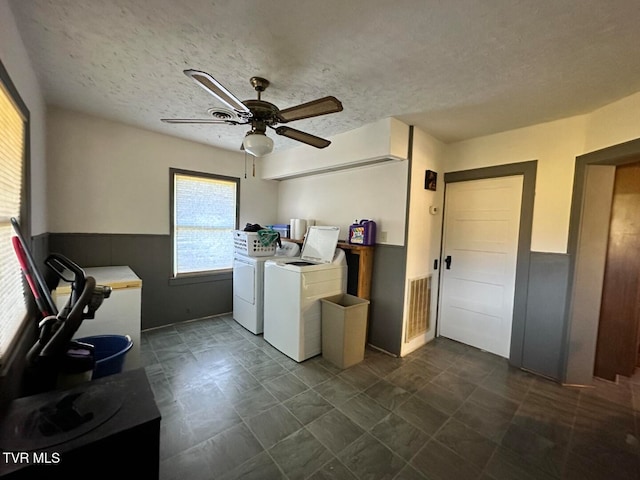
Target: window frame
<point>13,348</point>
<point>207,275</point>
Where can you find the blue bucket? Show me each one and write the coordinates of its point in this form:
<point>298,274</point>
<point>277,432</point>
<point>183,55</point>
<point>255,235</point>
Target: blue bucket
<point>109,353</point>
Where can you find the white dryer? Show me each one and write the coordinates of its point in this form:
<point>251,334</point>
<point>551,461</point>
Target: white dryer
<point>248,286</point>
<point>293,289</point>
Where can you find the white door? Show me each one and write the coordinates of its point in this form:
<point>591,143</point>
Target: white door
<point>480,246</point>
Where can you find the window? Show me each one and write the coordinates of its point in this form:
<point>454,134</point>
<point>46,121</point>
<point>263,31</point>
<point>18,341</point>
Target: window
<point>13,134</point>
<point>204,215</point>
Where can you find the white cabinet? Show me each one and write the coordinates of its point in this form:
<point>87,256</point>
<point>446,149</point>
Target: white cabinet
<point>119,314</point>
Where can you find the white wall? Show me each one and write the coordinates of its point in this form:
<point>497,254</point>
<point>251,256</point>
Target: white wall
<point>376,192</point>
<point>384,139</point>
<point>107,177</point>
<point>16,61</point>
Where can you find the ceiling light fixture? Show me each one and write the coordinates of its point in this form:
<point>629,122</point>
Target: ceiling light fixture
<point>257,144</point>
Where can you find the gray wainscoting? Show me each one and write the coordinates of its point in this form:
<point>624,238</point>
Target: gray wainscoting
<point>387,298</point>
<point>164,301</point>
<point>542,350</point>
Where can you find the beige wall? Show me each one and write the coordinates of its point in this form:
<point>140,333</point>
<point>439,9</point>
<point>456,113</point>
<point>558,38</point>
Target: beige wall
<point>107,177</point>
<point>613,124</point>
<point>16,61</point>
<point>423,243</point>
<point>555,145</point>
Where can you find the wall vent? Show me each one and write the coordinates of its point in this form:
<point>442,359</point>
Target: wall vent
<point>419,307</point>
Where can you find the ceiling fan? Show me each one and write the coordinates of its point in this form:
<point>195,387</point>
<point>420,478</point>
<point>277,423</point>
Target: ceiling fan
<point>261,114</point>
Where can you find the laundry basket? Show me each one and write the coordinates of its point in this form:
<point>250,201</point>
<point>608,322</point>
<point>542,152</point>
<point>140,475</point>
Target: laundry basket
<point>109,353</point>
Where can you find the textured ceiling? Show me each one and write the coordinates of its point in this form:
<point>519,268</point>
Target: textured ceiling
<point>456,68</point>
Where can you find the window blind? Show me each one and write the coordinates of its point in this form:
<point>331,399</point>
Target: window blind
<point>12,296</point>
<point>204,220</point>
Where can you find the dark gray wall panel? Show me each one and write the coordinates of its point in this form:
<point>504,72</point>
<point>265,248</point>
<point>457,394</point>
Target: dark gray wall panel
<point>387,298</point>
<point>164,301</point>
<point>545,317</point>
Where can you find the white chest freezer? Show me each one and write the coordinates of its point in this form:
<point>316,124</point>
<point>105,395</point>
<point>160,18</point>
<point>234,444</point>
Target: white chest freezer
<point>119,314</point>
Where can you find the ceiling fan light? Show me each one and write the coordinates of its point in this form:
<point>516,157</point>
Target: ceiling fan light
<point>257,144</point>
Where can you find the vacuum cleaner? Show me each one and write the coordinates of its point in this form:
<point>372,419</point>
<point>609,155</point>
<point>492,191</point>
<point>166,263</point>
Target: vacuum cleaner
<point>55,360</point>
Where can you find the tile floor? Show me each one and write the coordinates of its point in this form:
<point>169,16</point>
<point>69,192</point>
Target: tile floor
<point>233,407</point>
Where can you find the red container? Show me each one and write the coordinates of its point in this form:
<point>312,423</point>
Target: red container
<point>363,232</point>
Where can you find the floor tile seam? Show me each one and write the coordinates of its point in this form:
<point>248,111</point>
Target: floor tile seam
<point>402,387</point>
<point>364,432</point>
<point>304,427</point>
<point>302,380</point>
<point>367,430</point>
<point>270,381</point>
<point>449,415</point>
<point>245,416</point>
<point>563,463</point>
<point>339,375</point>
<point>453,392</point>
<point>520,370</point>
<point>245,421</point>
<point>570,425</point>
<point>298,394</point>
<point>333,457</point>
<point>393,452</point>
<point>477,431</point>
<point>530,392</point>
<point>197,444</point>
<point>476,385</point>
<point>265,450</point>
<point>335,405</point>
<point>434,439</point>
<point>619,407</point>
<point>164,375</point>
<point>571,451</point>
<point>320,416</point>
<point>494,393</point>
<point>370,431</point>
<point>383,406</point>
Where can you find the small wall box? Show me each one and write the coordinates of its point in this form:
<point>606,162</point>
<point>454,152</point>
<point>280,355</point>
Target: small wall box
<point>430,180</point>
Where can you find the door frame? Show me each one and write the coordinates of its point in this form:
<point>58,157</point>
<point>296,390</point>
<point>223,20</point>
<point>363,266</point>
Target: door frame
<point>528,170</point>
<point>580,333</point>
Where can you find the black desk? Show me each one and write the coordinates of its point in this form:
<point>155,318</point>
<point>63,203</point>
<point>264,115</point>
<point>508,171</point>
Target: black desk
<point>124,431</point>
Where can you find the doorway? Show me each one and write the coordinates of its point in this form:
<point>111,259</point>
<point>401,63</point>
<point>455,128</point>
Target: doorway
<point>527,172</point>
<point>617,344</point>
<point>587,247</point>
<point>480,247</point>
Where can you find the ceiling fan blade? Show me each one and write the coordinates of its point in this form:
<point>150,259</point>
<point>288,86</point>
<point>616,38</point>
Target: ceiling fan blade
<point>303,137</point>
<point>321,106</point>
<point>214,87</point>
<point>199,120</point>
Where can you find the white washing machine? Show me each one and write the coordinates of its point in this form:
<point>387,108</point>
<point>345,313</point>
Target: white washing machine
<point>293,289</point>
<point>248,286</point>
